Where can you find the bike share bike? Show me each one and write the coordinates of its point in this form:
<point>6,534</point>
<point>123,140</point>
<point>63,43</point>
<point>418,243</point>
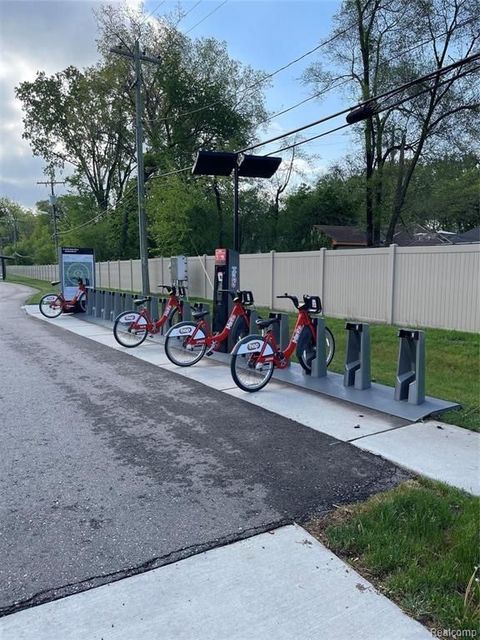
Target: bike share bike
<point>53,304</point>
<point>255,357</point>
<point>132,327</point>
<point>187,342</point>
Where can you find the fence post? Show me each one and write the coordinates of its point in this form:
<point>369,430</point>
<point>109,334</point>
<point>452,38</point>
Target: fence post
<point>131,275</point>
<point>205,276</point>
<point>392,254</point>
<point>322,280</point>
<point>119,279</point>
<point>272,279</point>
<point>108,272</point>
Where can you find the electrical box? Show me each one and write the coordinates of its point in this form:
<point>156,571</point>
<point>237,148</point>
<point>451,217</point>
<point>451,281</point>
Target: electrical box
<point>179,268</point>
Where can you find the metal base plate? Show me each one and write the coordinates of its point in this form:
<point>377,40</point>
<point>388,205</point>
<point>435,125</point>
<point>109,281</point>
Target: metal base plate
<point>379,397</point>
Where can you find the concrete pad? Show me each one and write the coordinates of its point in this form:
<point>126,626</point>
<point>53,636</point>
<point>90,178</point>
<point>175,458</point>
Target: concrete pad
<point>209,373</point>
<point>281,585</point>
<point>434,449</point>
<point>340,420</point>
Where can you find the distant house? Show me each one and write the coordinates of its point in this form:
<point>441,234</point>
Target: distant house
<point>342,237</point>
<point>469,237</point>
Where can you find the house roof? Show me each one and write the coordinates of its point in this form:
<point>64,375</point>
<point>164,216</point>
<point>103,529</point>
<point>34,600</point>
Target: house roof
<point>469,236</point>
<point>343,234</point>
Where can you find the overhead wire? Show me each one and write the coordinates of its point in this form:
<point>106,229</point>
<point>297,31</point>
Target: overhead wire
<point>205,17</point>
<point>380,110</point>
<point>437,73</point>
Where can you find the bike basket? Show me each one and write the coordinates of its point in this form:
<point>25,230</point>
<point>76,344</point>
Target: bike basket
<point>313,304</point>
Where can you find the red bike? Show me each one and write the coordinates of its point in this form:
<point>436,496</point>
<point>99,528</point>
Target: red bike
<point>132,327</point>
<point>255,357</point>
<point>187,342</point>
<point>53,304</point>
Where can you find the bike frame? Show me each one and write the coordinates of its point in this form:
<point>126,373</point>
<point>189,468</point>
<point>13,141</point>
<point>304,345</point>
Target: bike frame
<point>212,339</point>
<point>279,358</point>
<point>154,327</point>
<point>68,305</point>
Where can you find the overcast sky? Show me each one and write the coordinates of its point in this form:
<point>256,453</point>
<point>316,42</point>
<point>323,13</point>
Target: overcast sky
<point>50,35</point>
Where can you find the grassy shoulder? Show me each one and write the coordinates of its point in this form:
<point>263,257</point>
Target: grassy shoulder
<point>419,545</point>
<point>42,287</point>
<point>452,359</point>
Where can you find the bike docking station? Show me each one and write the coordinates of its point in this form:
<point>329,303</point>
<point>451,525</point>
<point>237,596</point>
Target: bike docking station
<point>406,400</point>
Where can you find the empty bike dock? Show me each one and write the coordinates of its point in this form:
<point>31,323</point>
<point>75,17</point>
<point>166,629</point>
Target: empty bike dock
<point>406,399</point>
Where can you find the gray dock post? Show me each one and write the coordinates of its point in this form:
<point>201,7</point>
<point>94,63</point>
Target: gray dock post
<point>253,320</point>
<point>357,356</point>
<point>319,363</point>
<point>186,310</point>
<point>90,301</point>
<point>117,304</point>
<point>280,330</point>
<point>99,297</point>
<point>154,308</point>
<point>107,305</point>
<point>410,382</point>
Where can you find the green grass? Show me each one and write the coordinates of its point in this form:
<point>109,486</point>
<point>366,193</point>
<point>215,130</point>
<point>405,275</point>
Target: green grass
<point>452,359</point>
<point>419,544</point>
<point>42,285</point>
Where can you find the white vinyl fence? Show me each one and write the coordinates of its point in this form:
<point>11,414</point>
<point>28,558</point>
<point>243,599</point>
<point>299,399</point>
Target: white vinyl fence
<point>409,286</point>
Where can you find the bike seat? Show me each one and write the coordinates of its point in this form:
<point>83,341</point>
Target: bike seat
<point>140,301</point>
<point>200,314</point>
<point>263,324</point>
<point>55,282</point>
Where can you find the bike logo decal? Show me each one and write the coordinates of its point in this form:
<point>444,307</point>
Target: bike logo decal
<point>253,346</point>
<point>185,331</point>
<point>130,318</point>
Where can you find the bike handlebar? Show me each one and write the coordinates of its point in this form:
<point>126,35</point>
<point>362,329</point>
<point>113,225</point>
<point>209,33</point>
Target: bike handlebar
<point>245,297</point>
<point>294,299</point>
<point>312,304</point>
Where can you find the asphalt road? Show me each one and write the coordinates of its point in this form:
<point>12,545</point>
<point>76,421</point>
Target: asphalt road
<point>111,466</point>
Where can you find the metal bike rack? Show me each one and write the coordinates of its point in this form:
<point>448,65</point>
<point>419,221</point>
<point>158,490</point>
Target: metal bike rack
<point>410,381</point>
<point>153,307</point>
<point>118,303</point>
<point>319,363</point>
<point>253,320</point>
<point>107,310</point>
<point>90,301</point>
<point>357,356</point>
<point>186,310</point>
<point>99,295</point>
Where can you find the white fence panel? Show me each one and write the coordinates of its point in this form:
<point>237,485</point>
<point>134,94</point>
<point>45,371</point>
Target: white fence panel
<point>414,286</point>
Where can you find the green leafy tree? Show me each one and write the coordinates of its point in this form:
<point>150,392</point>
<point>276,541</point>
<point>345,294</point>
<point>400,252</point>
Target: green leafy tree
<point>380,44</point>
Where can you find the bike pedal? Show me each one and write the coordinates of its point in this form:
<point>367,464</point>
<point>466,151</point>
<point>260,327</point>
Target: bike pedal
<point>209,353</point>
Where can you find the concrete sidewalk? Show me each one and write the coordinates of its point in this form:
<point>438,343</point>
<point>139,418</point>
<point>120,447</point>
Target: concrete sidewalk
<point>282,584</point>
<point>434,449</point>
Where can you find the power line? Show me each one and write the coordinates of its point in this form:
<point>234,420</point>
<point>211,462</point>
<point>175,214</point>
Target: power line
<point>387,94</point>
<point>205,17</point>
<point>391,106</point>
<point>152,12</point>
<point>187,13</point>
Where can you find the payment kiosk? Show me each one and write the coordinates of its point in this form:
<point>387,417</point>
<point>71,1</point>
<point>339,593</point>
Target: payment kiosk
<point>226,277</point>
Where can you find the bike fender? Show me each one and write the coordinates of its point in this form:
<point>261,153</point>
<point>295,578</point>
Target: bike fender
<point>184,329</point>
<point>133,317</point>
<point>252,344</point>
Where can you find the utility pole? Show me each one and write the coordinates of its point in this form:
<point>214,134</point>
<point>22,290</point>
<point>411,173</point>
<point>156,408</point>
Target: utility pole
<point>138,58</point>
<point>53,202</point>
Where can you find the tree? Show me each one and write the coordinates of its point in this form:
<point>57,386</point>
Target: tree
<point>82,118</point>
<point>381,44</point>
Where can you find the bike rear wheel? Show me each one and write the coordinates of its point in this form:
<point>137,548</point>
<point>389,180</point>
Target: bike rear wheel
<point>248,372</point>
<point>181,346</point>
<point>130,329</point>
<point>82,302</point>
<point>50,305</point>
<point>307,349</point>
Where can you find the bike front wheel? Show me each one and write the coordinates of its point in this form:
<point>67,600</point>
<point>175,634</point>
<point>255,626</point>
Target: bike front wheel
<point>130,329</point>
<point>50,305</point>
<point>307,349</point>
<point>185,344</point>
<point>252,363</point>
